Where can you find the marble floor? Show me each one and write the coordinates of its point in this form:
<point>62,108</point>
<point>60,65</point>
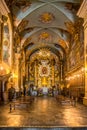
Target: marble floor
<point>44,112</point>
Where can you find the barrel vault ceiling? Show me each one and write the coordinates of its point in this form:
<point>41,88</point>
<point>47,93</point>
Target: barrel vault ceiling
<point>43,23</point>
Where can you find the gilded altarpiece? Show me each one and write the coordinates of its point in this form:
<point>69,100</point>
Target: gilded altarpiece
<point>43,73</point>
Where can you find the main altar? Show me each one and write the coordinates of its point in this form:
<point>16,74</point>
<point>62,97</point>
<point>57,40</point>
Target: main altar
<point>43,70</point>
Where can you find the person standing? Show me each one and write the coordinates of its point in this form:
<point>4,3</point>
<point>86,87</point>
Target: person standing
<point>24,90</point>
<point>11,92</point>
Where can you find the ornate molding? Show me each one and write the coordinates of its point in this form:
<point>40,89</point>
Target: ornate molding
<point>74,28</point>
<point>85,24</point>
<point>82,12</point>
<point>46,17</point>
<point>3,8</point>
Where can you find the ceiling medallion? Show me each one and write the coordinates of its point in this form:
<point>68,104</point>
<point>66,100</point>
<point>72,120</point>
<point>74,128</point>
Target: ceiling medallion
<point>44,36</point>
<point>46,17</point>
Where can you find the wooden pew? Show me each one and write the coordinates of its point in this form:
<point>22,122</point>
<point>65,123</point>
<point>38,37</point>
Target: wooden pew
<point>21,102</point>
<point>63,100</point>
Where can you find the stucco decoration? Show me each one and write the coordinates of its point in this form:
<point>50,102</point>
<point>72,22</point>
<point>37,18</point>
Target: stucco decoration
<point>46,17</point>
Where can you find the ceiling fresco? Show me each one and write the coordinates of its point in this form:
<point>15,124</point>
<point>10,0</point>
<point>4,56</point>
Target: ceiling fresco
<point>45,23</point>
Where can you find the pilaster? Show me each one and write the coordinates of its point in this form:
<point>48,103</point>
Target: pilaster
<point>3,8</point>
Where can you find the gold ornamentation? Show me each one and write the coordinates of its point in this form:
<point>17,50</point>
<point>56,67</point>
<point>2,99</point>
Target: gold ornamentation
<point>74,29</point>
<point>62,43</point>
<point>27,41</point>
<point>46,17</point>
<point>4,69</point>
<point>70,27</point>
<point>44,52</point>
<point>44,36</point>
<point>31,69</point>
<point>22,25</point>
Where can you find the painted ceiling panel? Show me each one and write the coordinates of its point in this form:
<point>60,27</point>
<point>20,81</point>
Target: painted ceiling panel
<point>33,7</point>
<point>44,22</point>
<point>58,21</point>
<point>54,35</point>
<point>68,13</point>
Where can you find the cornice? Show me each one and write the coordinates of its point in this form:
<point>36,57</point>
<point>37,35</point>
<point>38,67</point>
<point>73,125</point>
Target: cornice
<point>75,69</point>
<point>82,12</point>
<point>3,8</point>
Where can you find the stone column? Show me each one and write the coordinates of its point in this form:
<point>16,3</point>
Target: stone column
<point>4,92</point>
<point>0,90</point>
<point>19,75</point>
<point>53,76</point>
<point>85,58</point>
<point>36,74</point>
<point>16,72</point>
<point>23,69</point>
<point>83,14</point>
<point>0,41</point>
<point>61,70</point>
<point>3,87</point>
<point>26,72</point>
